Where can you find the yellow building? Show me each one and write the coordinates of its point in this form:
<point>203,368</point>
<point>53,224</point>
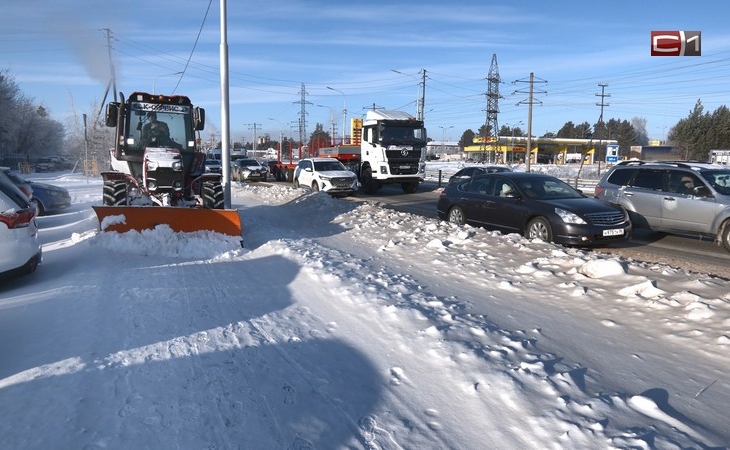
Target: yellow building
<point>512,149</point>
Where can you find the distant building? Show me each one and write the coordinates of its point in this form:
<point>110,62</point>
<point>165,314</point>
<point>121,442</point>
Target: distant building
<point>444,150</point>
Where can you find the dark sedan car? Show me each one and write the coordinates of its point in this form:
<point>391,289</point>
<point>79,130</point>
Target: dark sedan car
<point>48,198</point>
<point>468,172</point>
<point>537,206</point>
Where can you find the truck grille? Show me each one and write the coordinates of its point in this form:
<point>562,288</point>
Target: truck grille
<point>607,219</point>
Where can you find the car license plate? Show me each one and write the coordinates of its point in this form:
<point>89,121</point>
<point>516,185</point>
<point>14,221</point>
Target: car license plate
<point>614,232</point>
<point>405,167</point>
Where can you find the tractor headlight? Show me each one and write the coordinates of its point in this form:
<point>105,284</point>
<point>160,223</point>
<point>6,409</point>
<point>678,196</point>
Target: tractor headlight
<point>569,217</point>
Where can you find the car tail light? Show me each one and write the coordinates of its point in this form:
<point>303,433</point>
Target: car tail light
<point>17,218</point>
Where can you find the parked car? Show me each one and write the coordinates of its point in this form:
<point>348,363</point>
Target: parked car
<point>45,165</point>
<point>325,174</point>
<point>213,165</point>
<point>48,198</point>
<point>247,169</point>
<point>672,196</point>
<point>20,247</point>
<point>265,170</point>
<point>535,205</point>
<point>22,184</point>
<point>468,172</point>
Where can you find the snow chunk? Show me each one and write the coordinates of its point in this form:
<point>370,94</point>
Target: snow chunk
<point>601,268</point>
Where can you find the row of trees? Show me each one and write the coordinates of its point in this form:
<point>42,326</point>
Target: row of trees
<point>26,127</point>
<point>624,132</point>
<point>694,136</point>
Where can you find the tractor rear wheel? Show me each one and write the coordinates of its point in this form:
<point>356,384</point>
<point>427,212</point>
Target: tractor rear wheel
<point>115,193</point>
<point>212,194</point>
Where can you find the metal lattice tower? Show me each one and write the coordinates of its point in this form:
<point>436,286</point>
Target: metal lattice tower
<point>303,115</point>
<point>492,128</point>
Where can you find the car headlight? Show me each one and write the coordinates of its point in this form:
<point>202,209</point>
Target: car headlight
<point>569,217</point>
<point>325,178</point>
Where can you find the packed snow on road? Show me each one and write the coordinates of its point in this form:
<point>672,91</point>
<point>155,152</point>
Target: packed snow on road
<point>344,324</point>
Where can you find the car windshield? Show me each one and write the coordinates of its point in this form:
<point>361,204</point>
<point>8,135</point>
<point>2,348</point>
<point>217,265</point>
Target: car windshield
<point>547,188</point>
<point>248,162</point>
<point>326,166</point>
<point>718,179</point>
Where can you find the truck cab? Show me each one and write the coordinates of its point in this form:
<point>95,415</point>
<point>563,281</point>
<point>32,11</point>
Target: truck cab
<point>393,150</point>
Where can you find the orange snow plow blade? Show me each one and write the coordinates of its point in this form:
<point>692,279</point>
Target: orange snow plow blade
<point>185,220</point>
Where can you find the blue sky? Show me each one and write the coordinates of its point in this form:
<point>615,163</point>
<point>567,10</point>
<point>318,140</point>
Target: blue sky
<point>56,52</point>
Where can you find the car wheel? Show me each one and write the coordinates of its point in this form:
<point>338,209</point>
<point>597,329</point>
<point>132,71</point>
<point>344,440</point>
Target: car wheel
<point>456,215</point>
<point>725,237</point>
<point>315,186</point>
<point>539,228</point>
<point>296,182</point>
<point>39,211</point>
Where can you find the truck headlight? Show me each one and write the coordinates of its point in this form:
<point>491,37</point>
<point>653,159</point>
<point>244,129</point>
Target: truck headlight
<point>151,165</point>
<point>177,166</point>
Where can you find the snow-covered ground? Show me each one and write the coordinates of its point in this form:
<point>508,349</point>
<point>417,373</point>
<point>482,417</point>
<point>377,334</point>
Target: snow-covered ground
<point>348,325</point>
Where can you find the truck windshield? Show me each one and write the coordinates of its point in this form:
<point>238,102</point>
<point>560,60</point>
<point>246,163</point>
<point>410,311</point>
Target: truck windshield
<point>393,135</point>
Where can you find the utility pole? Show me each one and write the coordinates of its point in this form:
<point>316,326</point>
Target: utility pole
<point>421,107</point>
<point>254,126</point>
<point>530,101</point>
<point>603,96</point>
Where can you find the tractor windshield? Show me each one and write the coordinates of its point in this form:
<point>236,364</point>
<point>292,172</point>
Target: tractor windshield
<point>152,125</point>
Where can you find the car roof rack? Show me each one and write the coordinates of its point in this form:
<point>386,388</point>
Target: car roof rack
<point>683,164</point>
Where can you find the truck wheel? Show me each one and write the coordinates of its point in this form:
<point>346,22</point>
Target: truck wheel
<point>212,194</point>
<point>115,193</point>
<point>410,188</point>
<point>369,186</point>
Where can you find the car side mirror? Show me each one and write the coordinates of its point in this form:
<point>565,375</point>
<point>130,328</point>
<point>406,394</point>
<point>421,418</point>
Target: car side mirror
<point>701,191</point>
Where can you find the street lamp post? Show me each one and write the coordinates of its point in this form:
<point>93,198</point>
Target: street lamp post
<point>344,112</point>
<point>420,95</point>
<point>333,121</point>
<point>512,141</point>
<point>281,137</point>
<point>443,138</point>
<point>154,82</point>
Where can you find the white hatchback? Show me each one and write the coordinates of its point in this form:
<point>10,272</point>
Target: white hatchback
<point>20,247</point>
<point>325,174</point>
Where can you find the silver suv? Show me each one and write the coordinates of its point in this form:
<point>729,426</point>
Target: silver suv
<point>672,196</point>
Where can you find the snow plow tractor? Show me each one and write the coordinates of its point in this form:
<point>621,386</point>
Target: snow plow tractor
<point>157,171</point>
